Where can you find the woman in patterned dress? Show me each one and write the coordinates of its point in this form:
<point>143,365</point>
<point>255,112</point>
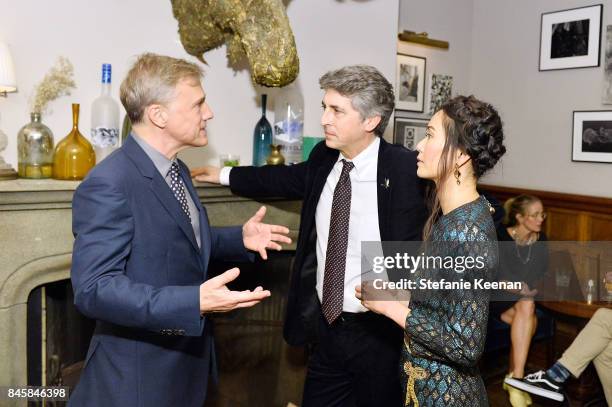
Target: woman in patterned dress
<point>445,328</point>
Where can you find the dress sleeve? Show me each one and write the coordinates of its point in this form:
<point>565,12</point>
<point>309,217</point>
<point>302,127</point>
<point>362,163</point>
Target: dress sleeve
<point>451,326</point>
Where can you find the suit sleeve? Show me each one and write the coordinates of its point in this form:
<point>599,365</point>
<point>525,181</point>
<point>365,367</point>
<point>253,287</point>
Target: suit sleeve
<point>103,229</point>
<point>270,181</point>
<point>227,245</point>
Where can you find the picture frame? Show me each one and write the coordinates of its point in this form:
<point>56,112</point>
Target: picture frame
<point>606,98</point>
<point>410,83</point>
<point>440,91</point>
<point>408,131</point>
<point>592,136</point>
<point>571,38</point>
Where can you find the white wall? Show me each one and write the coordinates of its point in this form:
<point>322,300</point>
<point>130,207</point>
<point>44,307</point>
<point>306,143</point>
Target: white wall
<point>329,34</point>
<point>536,106</point>
<point>494,51</point>
<point>449,20</point>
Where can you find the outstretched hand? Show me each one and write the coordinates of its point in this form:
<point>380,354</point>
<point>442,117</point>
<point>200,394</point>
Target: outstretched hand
<point>259,236</point>
<point>216,297</point>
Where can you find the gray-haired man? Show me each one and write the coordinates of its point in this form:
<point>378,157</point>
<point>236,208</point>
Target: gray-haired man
<point>355,187</point>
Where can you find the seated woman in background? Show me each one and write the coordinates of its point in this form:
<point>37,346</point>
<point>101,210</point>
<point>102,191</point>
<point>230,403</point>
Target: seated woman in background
<point>524,260</point>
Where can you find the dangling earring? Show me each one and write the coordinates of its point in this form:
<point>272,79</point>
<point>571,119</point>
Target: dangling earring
<point>457,174</point>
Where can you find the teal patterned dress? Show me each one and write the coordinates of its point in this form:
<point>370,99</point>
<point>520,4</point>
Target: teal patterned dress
<point>445,330</point>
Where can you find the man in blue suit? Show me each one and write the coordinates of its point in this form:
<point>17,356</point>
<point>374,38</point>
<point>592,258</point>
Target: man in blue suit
<point>142,246</point>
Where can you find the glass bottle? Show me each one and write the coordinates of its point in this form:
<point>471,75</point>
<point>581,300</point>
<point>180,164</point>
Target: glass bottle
<point>590,291</point>
<point>74,155</point>
<point>35,149</point>
<point>289,123</point>
<point>105,119</point>
<point>262,136</point>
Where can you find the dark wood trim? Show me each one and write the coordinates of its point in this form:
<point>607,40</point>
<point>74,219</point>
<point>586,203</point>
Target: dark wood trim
<point>578,309</point>
<point>583,203</point>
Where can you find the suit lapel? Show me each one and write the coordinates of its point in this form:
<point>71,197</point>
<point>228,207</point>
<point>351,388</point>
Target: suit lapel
<point>383,189</point>
<point>319,181</point>
<point>205,238</point>
<point>168,200</point>
<point>160,188</point>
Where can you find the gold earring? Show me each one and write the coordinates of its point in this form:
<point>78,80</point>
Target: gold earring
<point>457,174</point>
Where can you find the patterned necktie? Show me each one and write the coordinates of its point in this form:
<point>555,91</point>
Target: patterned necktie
<point>178,188</point>
<point>337,242</point>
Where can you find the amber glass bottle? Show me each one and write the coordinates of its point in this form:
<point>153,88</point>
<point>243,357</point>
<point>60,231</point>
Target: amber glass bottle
<point>74,155</point>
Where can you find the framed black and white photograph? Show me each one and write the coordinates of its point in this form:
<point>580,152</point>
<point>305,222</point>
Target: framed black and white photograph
<point>440,90</point>
<point>410,83</point>
<point>571,38</point>
<point>592,136</point>
<point>409,131</point>
<point>607,85</point>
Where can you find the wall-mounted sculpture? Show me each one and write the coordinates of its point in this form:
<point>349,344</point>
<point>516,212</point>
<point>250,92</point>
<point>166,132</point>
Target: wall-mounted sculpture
<point>258,29</point>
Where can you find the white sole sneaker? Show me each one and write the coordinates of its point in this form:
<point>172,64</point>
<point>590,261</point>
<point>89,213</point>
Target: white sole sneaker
<point>533,389</point>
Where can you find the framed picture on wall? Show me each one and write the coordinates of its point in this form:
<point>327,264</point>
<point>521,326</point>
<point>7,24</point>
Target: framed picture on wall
<point>607,85</point>
<point>440,90</point>
<point>592,136</point>
<point>410,83</point>
<point>409,131</point>
<point>570,38</point>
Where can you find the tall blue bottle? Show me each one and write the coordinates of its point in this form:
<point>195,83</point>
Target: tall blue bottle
<point>262,136</point>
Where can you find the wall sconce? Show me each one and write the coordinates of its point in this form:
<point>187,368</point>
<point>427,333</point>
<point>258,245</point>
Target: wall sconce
<point>422,38</point>
<point>8,84</point>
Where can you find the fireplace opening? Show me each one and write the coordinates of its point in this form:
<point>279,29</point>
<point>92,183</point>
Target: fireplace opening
<point>58,336</point>
<point>256,366</point>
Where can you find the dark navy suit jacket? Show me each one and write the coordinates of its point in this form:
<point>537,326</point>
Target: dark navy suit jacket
<point>136,269</point>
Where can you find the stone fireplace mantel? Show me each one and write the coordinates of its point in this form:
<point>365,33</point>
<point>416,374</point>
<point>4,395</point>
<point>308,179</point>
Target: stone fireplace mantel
<point>36,247</point>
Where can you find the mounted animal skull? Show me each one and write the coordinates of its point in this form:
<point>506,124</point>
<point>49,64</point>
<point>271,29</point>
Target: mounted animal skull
<point>258,29</point>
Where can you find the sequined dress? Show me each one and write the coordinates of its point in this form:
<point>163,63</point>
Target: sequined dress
<point>445,330</point>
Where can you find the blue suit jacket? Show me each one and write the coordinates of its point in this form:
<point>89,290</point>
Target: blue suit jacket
<point>136,269</point>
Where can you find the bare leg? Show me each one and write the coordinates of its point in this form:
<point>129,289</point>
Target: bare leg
<point>508,317</point>
<point>522,330</point>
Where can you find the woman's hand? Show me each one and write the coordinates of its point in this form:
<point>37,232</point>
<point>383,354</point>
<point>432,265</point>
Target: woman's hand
<point>527,292</point>
<point>383,302</point>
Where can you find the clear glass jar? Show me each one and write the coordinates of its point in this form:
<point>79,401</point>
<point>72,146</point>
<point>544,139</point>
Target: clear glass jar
<point>35,149</point>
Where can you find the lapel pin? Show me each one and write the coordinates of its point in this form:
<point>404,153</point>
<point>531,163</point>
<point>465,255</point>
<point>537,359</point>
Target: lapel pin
<point>385,184</point>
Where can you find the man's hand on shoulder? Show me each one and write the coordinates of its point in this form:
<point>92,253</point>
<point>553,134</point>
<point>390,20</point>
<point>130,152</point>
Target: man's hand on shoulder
<point>207,173</point>
<point>216,297</point>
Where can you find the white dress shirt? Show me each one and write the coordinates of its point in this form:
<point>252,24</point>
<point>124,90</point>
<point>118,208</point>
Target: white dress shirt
<point>363,220</point>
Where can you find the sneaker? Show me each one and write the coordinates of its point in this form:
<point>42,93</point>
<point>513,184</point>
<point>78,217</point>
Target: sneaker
<point>538,383</point>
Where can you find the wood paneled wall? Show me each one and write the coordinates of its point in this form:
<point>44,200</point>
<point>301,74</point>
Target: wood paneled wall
<point>570,217</point>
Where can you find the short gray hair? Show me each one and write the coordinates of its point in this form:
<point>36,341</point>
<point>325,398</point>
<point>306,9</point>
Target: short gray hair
<point>370,92</point>
<point>153,79</point>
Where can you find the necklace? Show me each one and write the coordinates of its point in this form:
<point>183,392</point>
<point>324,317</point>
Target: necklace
<point>528,243</point>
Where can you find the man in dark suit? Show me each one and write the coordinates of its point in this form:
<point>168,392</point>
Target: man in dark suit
<point>142,246</point>
<point>355,187</point>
